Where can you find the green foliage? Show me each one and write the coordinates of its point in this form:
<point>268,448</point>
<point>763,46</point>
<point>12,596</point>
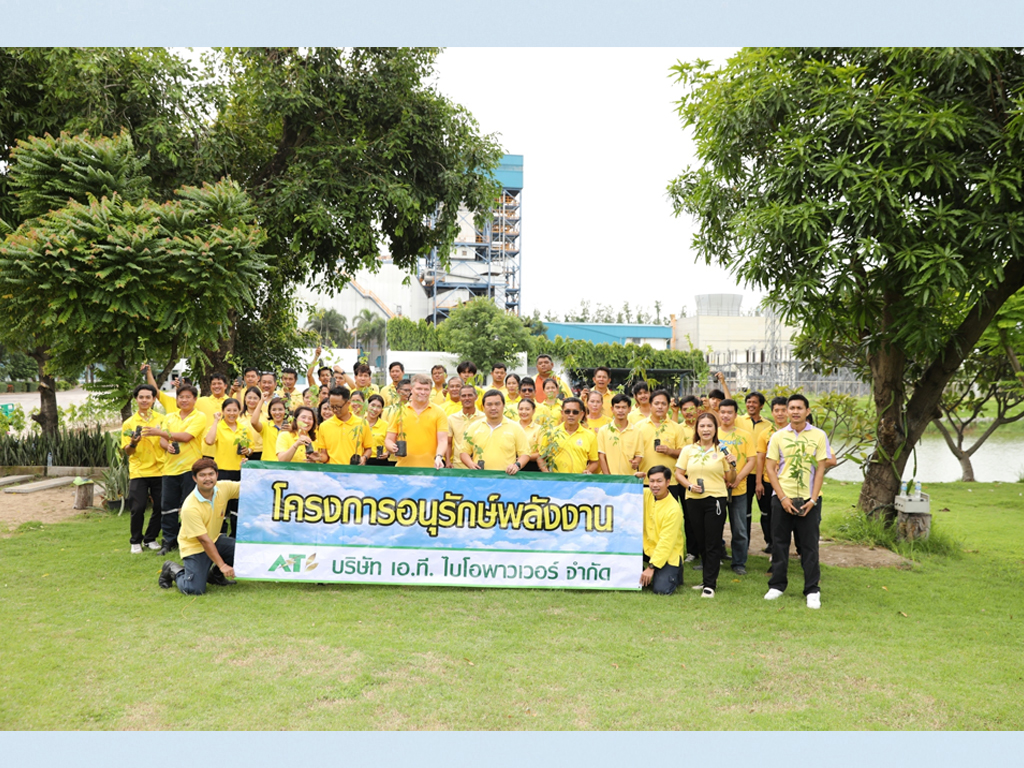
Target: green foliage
<point>50,172</point>
<point>72,448</point>
<point>875,196</point>
<point>330,326</point>
<point>851,526</point>
<point>605,313</point>
<point>580,356</point>
<point>16,366</point>
<point>847,420</point>
<point>347,152</point>
<point>116,476</point>
<point>116,282</point>
<point>479,331</point>
<point>268,335</point>
<point>405,334</point>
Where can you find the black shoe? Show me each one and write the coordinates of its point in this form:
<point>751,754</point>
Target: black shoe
<point>217,578</point>
<point>168,574</point>
<point>739,570</point>
<point>767,550</point>
<point>166,549</point>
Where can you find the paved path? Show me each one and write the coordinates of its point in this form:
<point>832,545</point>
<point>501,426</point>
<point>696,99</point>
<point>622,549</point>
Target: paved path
<point>41,485</point>
<point>30,400</point>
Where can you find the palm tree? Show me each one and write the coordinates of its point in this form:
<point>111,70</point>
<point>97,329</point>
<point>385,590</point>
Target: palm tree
<point>369,330</point>
<point>331,326</point>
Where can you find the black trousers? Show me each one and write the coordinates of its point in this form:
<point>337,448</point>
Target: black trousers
<point>231,513</point>
<point>765,505</point>
<point>174,489</point>
<point>140,491</point>
<point>806,529</point>
<point>709,522</point>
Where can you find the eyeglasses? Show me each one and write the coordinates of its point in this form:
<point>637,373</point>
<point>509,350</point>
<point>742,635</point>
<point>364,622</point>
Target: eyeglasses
<point>572,413</point>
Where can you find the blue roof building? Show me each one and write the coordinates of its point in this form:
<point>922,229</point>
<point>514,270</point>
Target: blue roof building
<point>658,336</point>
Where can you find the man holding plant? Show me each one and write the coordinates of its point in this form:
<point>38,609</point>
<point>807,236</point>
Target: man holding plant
<point>145,467</point>
<point>495,443</point>
<point>421,426</point>
<point>796,460</point>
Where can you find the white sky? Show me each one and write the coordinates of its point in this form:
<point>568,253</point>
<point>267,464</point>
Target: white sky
<point>600,141</point>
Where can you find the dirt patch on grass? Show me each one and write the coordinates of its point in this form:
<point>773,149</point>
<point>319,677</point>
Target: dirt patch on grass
<point>829,552</point>
<point>51,506</point>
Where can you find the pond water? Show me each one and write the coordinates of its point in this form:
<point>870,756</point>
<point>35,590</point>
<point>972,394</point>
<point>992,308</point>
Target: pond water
<point>1000,459</point>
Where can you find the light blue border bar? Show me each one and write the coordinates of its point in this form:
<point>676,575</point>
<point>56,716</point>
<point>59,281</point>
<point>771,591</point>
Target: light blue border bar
<point>525,22</point>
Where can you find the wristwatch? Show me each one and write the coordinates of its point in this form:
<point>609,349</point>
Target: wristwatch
<point>518,464</point>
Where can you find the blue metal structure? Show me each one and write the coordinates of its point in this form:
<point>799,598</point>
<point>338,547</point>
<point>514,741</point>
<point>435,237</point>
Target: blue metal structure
<point>485,260</point>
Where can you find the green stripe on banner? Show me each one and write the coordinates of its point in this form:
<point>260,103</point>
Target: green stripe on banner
<point>547,477</point>
<point>433,584</point>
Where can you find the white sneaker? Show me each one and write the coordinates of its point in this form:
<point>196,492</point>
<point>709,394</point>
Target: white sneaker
<point>773,594</point>
<point>136,549</point>
<point>154,545</point>
<point>708,592</point>
<point>814,600</point>
<point>689,558</point>
<point>697,586</point>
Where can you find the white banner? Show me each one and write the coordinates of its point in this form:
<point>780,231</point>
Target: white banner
<point>433,567</point>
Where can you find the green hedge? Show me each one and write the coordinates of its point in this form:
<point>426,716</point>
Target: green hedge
<point>69,448</point>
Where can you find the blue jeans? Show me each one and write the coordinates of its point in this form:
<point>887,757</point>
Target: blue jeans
<point>192,580</point>
<point>738,526</point>
<point>666,579</point>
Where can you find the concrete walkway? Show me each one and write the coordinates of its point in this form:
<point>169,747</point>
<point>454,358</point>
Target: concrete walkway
<point>41,485</point>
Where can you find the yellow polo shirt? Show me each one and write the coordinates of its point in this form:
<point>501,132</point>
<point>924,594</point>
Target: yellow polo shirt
<point>285,440</point>
<point>225,447</point>
<point>762,446</point>
<point>458,423</point>
<point>572,452</point>
<point>532,433</point>
<point>421,430</point>
<point>378,432</point>
<point>669,434</point>
<point>343,439</point>
<point>168,401</point>
<point>548,413</point>
<point>663,530</point>
<point>390,394</point>
<point>798,456</point>
<point>199,516</point>
<point>619,447</point>
<point>451,407</point>
<point>636,416</point>
<point>148,458</point>
<point>438,396</point>
<point>709,466</point>
<point>190,452</point>
<point>740,443</point>
<point>501,445</point>
<point>596,424</point>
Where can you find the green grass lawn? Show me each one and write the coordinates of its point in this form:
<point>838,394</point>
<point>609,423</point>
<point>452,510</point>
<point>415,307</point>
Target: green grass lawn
<point>90,642</point>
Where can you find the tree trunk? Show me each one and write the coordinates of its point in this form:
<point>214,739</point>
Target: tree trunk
<point>897,436</point>
<point>47,416</point>
<point>885,468</point>
<point>966,469</point>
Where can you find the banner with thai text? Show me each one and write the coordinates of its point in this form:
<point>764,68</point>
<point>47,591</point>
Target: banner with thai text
<point>380,525</point>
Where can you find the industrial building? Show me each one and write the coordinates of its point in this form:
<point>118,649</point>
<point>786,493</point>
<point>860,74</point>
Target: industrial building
<point>485,261</point>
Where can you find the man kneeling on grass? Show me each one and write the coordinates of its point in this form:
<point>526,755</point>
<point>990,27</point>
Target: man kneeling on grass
<point>207,556</point>
<point>663,534</point>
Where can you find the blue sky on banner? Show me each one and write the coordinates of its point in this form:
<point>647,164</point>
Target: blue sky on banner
<point>257,526</point>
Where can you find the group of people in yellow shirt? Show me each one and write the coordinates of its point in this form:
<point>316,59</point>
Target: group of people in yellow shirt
<point>717,460</point>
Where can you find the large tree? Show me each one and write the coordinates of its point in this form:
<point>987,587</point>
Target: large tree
<point>112,276</point>
<point>345,153</point>
<point>875,196</point>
